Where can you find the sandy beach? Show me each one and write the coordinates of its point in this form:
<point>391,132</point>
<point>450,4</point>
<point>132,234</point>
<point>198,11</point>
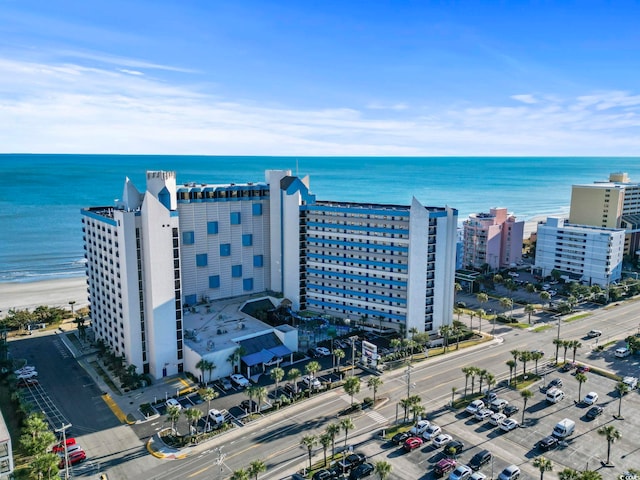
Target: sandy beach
<point>52,293</point>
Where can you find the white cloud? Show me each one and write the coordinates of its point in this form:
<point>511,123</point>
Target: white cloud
<point>68,108</point>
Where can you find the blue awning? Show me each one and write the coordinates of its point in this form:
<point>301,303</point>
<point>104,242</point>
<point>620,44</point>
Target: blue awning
<point>257,358</point>
<point>280,351</point>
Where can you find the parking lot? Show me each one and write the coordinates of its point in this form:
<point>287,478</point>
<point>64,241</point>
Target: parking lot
<point>585,449</point>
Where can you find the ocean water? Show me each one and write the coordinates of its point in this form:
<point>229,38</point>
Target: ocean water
<point>41,195</point>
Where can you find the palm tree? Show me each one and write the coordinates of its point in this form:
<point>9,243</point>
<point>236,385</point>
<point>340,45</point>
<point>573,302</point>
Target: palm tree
<point>529,309</point>
<point>325,440</point>
<point>506,303</point>
<point>209,394</point>
<point>445,331</point>
<point>311,369</point>
<point>251,393</point>
<point>566,344</point>
<point>472,314</point>
<point>332,430</point>
<point>235,357</point>
<point>405,403</point>
<point>490,378</point>
<point>580,378</point>
<point>456,331</point>
<point>545,297</point>
<point>482,298</point>
<point>382,469</point>
<point>622,388</point>
<point>374,383</point>
<point>277,374</point>
<point>173,414</point>
<point>526,394</point>
<point>481,376</point>
<point>575,345</point>
<point>255,468</point>
<point>294,375</point>
<point>45,464</point>
<point>352,386</point>
<point>338,354</point>
<point>417,410</point>
<point>569,474</point>
<point>591,475</point>
<point>309,441</point>
<point>557,342</point>
<point>474,372</point>
<point>512,366</point>
<point>543,464</point>
<point>611,434</point>
<point>536,356</point>
<point>346,424</point>
<point>467,373</point>
<point>193,415</point>
<point>260,394</point>
<point>524,357</point>
<point>241,474</point>
<point>453,394</point>
<point>202,366</point>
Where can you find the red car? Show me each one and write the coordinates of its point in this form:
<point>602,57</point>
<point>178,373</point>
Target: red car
<point>75,457</point>
<point>27,382</point>
<point>412,443</point>
<point>583,369</point>
<point>59,448</point>
<point>444,466</point>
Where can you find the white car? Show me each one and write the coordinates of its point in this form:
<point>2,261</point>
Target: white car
<point>509,424</point>
<point>590,398</point>
<point>25,369</point>
<point>240,380</point>
<point>478,476</point>
<point>431,432</point>
<point>474,406</point>
<point>310,381</point>
<point>323,351</point>
<point>594,333</point>
<point>420,427</point>
<point>441,440</point>
<point>27,375</point>
<point>216,416</point>
<point>497,418</point>
<point>483,414</point>
<point>461,472</point>
<point>172,402</point>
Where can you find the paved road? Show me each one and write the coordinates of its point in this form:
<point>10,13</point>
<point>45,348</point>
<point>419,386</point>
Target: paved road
<point>277,442</point>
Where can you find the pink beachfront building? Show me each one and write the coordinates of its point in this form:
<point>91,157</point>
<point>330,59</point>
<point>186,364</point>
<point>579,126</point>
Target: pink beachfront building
<point>493,239</point>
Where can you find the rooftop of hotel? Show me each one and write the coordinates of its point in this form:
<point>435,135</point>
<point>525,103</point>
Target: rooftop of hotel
<point>218,325</point>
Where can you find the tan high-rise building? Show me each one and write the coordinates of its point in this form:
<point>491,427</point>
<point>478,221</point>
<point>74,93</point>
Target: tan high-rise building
<point>612,204</point>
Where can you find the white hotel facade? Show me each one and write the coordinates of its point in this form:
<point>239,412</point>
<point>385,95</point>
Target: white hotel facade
<point>155,255</point>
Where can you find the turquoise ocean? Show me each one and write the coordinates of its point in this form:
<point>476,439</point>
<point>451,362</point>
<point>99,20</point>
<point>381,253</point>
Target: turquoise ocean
<point>41,195</point>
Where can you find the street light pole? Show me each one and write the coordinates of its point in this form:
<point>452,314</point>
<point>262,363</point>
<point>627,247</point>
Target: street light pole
<point>63,429</point>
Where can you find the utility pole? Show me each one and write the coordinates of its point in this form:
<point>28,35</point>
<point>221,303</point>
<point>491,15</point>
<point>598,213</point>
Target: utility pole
<point>408,380</point>
<point>63,429</point>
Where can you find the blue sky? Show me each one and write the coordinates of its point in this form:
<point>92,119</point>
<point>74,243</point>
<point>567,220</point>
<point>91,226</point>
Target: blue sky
<point>320,77</point>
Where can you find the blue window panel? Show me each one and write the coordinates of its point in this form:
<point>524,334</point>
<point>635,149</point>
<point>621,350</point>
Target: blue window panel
<point>201,260</point>
<point>225,249</point>
<point>214,281</point>
<point>212,228</point>
<point>235,218</point>
<point>257,209</point>
<point>188,238</point>
<point>247,284</point>
<point>190,299</point>
<point>247,240</point>
<point>258,261</point>
<point>236,271</point>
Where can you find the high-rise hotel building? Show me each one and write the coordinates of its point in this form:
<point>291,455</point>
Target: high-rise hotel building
<point>155,254</point>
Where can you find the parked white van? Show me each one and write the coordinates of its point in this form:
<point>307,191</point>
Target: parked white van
<point>622,352</point>
<point>554,395</point>
<point>564,428</point>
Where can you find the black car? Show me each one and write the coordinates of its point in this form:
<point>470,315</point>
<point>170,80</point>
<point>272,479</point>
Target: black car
<point>313,354</point>
<point>351,461</point>
<point>249,406</point>
<point>594,411</point>
<point>454,447</point>
<point>555,383</point>
<point>547,443</point>
<point>479,459</point>
<point>510,410</point>
<point>361,471</point>
<point>290,389</point>
<point>400,437</point>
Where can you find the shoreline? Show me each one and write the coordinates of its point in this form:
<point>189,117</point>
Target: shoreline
<point>52,293</point>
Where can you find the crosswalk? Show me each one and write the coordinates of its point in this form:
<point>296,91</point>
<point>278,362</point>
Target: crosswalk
<point>373,415</point>
<point>377,417</point>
